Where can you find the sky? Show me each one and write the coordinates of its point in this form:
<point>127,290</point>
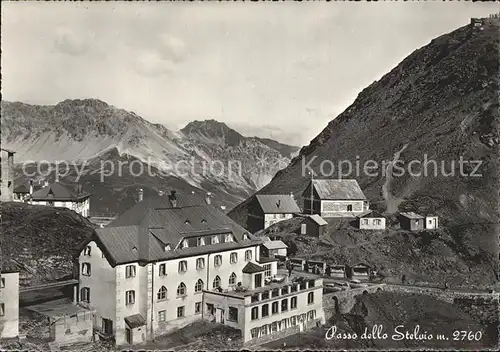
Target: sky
<point>278,70</point>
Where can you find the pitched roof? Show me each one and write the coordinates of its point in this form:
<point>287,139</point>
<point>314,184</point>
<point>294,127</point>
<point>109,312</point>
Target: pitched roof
<point>277,203</point>
<point>334,189</point>
<point>411,215</point>
<point>317,219</point>
<point>135,321</point>
<point>58,191</point>
<point>274,244</point>
<point>252,268</point>
<point>142,232</point>
<point>371,214</point>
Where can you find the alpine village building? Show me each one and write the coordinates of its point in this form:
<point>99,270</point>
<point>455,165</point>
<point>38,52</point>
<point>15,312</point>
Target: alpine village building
<point>58,195</point>
<point>334,198</point>
<point>173,259</point>
<point>268,209</point>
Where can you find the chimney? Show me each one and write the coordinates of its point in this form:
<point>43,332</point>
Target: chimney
<point>141,194</point>
<point>207,199</point>
<point>31,187</point>
<point>173,199</point>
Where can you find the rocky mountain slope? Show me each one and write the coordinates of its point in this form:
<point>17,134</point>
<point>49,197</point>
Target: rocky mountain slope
<point>207,155</point>
<point>440,103</point>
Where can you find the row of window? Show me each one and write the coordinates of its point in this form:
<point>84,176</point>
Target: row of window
<point>282,324</point>
<point>281,216</point>
<point>284,291</point>
<point>181,312</point>
<point>200,241</point>
<point>275,306</point>
<point>375,221</point>
<point>130,270</point>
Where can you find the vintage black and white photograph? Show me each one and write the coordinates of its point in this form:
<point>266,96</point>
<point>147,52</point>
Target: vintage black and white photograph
<point>249,175</point>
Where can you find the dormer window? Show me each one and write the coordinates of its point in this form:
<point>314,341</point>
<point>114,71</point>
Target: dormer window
<point>186,222</point>
<point>229,237</point>
<point>185,244</point>
<point>167,247</point>
<point>245,236</point>
<point>215,239</point>
<point>87,251</point>
<point>200,241</point>
<point>203,221</point>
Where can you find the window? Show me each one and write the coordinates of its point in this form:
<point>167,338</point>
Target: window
<point>185,244</point>
<point>248,255</point>
<point>162,293</point>
<point>180,312</point>
<point>377,221</point>
<point>284,290</point>
<point>274,308</point>
<point>310,298</point>
<point>349,207</point>
<point>232,279</point>
<point>255,313</point>
<point>365,221</point>
<point>265,310</point>
<point>274,327</point>
<point>183,266</point>
<point>284,305</point>
<point>233,314</point>
<point>215,239</point>
<point>129,297</point>
<point>245,236</point>
<point>130,271</point>
<point>218,260</point>
<point>199,286</point>
<point>85,294</point>
<point>2,309</point>
<point>162,315</point>
<point>216,283</point>
<point>181,289</point>
<point>282,216</point>
<point>200,263</point>
<point>276,292</point>
<point>2,282</point>
<point>87,251</point>
<point>162,270</point>
<point>293,303</point>
<point>233,258</point>
<point>267,272</point>
<point>255,333</point>
<point>197,308</point>
<point>200,241</point>
<point>265,295</point>
<point>86,269</point>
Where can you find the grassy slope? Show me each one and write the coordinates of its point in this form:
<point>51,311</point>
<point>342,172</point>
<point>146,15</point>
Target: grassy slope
<point>42,240</point>
<point>441,101</point>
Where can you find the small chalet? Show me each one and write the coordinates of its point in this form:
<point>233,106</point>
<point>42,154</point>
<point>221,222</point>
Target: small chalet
<point>59,195</point>
<point>274,248</point>
<point>334,198</point>
<point>431,222</point>
<point>411,221</point>
<point>360,271</point>
<point>371,220</point>
<point>313,225</point>
<point>337,271</point>
<point>268,209</point>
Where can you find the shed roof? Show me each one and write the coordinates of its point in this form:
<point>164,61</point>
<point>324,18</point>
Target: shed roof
<point>274,244</point>
<point>371,214</point>
<point>317,219</point>
<point>277,203</point>
<point>135,321</point>
<point>58,191</point>
<point>335,189</point>
<point>252,268</point>
<point>411,215</point>
<point>58,309</point>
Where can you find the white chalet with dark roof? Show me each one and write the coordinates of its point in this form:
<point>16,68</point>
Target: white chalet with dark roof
<point>268,209</point>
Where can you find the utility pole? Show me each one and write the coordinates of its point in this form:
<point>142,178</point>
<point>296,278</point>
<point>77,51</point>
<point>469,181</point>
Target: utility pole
<point>312,190</point>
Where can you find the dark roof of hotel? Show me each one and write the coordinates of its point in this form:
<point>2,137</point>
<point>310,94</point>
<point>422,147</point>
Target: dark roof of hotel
<point>277,203</point>
<point>252,268</point>
<point>334,189</point>
<point>142,232</point>
<point>58,191</point>
<point>135,321</point>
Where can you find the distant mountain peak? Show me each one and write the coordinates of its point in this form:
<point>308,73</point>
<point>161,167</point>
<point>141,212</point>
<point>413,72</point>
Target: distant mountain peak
<point>213,130</point>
